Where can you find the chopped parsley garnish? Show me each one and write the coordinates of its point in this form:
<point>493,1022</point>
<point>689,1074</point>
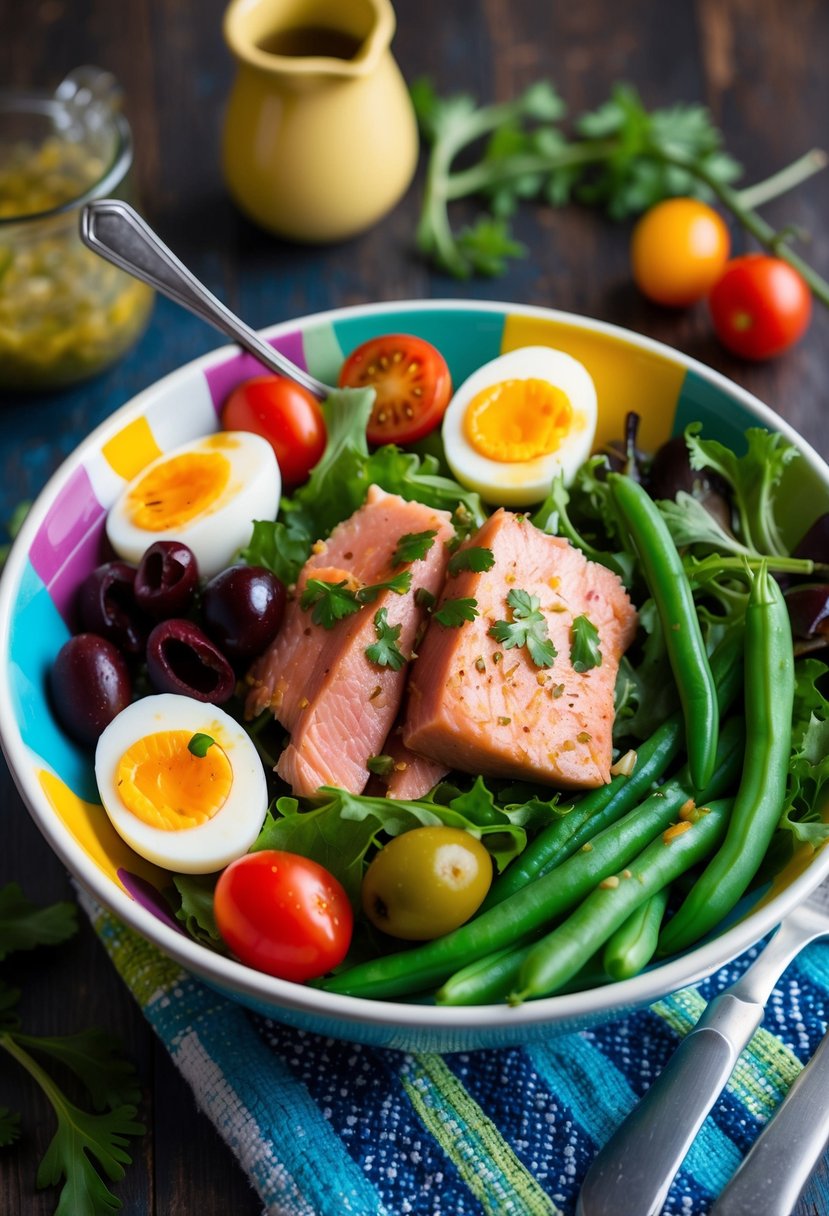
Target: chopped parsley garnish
<point>454,613</point>
<point>331,602</point>
<point>385,652</point>
<point>381,766</point>
<point>527,628</point>
<point>200,744</point>
<point>475,558</point>
<point>584,645</point>
<point>412,547</point>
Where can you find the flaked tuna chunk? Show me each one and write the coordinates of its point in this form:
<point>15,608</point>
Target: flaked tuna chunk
<point>338,705</point>
<point>475,705</point>
<point>411,776</point>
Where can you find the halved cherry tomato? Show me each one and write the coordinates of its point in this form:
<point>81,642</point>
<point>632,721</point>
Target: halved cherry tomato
<point>285,414</point>
<point>412,384</point>
<point>283,914</point>
<point>760,306</point>
<point>678,250</point>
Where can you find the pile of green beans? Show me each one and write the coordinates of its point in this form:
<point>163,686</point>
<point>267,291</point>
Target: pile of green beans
<point>537,905</point>
<point>769,697</point>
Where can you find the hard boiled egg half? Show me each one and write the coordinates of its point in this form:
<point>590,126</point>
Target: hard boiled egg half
<point>182,783</point>
<point>518,422</point>
<point>205,493</point>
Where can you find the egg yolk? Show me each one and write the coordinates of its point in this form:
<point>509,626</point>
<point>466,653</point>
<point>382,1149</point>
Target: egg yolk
<point>164,784</point>
<point>518,420</point>
<point>178,490</point>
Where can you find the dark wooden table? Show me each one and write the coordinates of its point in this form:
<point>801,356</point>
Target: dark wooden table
<point>760,67</point>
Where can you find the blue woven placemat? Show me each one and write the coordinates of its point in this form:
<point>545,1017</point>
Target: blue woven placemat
<point>502,1133</point>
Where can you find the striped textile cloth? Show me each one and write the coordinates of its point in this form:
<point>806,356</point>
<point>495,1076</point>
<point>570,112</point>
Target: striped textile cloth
<point>492,1133</point>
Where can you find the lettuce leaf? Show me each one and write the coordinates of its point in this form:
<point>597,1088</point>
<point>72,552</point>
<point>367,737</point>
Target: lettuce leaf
<point>338,485</point>
<point>339,832</point>
<point>806,813</point>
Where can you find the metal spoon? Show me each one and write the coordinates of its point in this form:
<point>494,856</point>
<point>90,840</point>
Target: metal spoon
<point>114,230</point>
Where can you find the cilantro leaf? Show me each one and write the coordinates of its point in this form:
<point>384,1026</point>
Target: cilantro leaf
<point>381,766</point>
<point>454,613</point>
<point>200,744</point>
<point>412,547</point>
<point>584,644</point>
<point>474,558</point>
<point>24,925</point>
<point>328,602</point>
<point>527,628</point>
<point>385,652</point>
<point>398,583</point>
<point>9,1127</point>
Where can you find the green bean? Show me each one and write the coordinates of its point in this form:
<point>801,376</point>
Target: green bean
<point>602,807</point>
<point>557,957</point>
<point>486,981</point>
<point>668,584</point>
<point>769,697</point>
<point>633,945</point>
<point>540,902</point>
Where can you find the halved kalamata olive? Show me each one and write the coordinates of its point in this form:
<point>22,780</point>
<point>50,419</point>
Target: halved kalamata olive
<point>106,605</point>
<point>167,578</point>
<point>181,658</point>
<point>808,607</point>
<point>242,609</point>
<point>671,472</point>
<point>90,683</point>
<point>815,543</point>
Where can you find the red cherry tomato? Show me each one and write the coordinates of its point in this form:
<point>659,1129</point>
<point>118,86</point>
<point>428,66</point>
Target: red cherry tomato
<point>283,914</point>
<point>412,384</point>
<point>760,306</point>
<point>285,414</point>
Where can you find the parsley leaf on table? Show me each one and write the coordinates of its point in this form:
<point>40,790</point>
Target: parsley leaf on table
<point>81,1138</point>
<point>24,925</point>
<point>454,613</point>
<point>528,628</point>
<point>385,651</point>
<point>585,652</point>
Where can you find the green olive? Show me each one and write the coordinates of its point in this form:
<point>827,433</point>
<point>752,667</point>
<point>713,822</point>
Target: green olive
<point>426,882</point>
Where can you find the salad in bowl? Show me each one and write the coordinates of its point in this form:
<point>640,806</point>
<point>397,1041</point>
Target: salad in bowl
<point>477,702</point>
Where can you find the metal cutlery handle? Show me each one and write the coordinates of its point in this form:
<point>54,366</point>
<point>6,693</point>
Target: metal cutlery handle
<point>114,230</point>
<point>778,1165</point>
<point>632,1174</point>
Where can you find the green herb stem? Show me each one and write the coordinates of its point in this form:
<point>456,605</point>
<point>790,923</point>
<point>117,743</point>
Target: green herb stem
<point>10,1044</point>
<point>785,179</point>
<point>486,175</point>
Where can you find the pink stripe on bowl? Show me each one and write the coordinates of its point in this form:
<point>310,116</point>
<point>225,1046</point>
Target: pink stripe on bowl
<point>68,541</point>
<point>223,379</point>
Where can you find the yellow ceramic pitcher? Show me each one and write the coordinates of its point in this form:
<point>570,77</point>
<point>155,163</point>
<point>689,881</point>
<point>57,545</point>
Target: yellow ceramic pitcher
<point>320,138</point>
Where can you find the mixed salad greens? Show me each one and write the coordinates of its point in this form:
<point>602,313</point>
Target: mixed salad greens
<point>721,510</point>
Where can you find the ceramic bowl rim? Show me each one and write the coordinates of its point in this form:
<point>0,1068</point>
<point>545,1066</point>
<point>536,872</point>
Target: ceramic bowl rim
<point>331,1008</point>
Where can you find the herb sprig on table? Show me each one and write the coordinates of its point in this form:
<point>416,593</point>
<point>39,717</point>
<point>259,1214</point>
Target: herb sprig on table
<point>621,157</point>
<point>84,1141</point>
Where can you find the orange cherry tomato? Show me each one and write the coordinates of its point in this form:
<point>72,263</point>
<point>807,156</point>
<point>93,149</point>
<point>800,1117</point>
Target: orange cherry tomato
<point>285,414</point>
<point>678,250</point>
<point>411,381</point>
<point>760,306</point>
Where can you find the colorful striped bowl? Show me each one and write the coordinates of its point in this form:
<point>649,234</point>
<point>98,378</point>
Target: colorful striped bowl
<point>60,544</point>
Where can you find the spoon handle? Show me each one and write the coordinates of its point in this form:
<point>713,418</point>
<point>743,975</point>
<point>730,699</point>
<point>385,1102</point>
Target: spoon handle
<point>114,230</point>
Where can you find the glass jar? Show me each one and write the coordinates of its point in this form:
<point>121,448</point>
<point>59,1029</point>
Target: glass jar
<point>65,314</point>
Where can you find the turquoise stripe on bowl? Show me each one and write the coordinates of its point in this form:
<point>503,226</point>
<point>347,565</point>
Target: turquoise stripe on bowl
<point>37,633</point>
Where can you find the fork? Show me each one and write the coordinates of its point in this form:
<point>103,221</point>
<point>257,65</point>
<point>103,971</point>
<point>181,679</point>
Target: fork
<point>116,232</point>
<point>632,1174</point>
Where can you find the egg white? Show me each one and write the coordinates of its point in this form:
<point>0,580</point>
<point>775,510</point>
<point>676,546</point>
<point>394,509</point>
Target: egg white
<point>216,534</point>
<point>520,483</point>
<point>211,845</point>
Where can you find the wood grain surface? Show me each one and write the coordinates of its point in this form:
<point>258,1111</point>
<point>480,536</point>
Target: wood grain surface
<point>760,65</point>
